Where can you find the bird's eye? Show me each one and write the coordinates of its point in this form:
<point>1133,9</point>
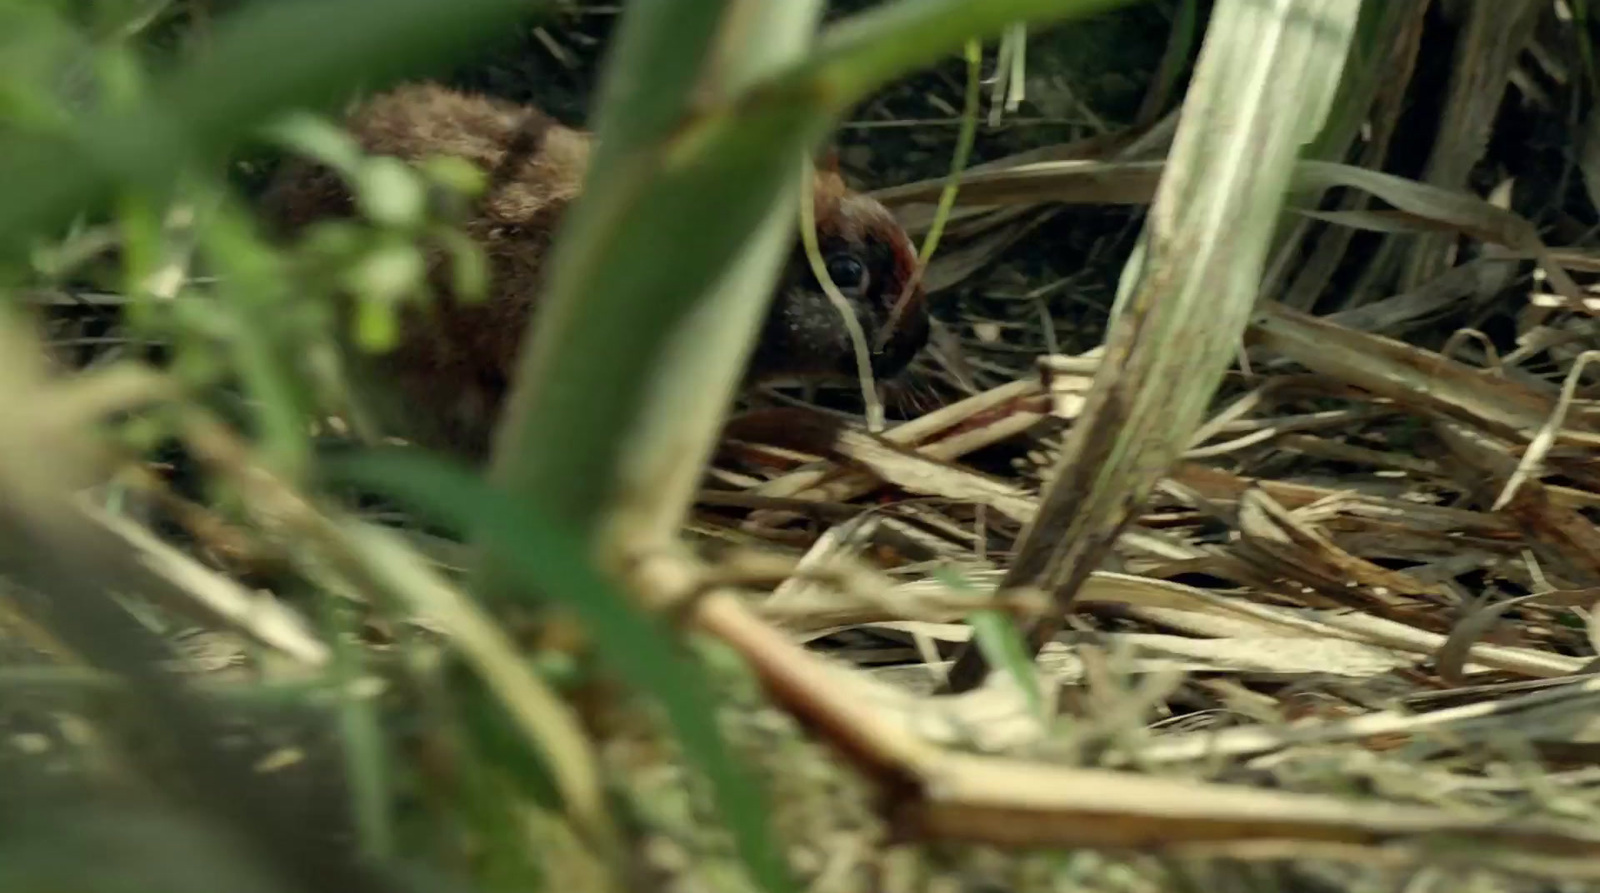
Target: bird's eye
<point>846,272</point>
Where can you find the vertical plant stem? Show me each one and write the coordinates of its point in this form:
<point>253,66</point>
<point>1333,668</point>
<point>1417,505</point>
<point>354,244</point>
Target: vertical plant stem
<point>964,141</point>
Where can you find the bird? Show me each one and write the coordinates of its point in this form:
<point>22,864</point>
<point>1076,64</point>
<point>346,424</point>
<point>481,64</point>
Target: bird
<point>450,370</point>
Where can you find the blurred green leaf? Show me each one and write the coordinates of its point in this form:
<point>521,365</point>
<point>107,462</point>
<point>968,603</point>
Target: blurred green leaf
<point>319,139</point>
<point>454,173</point>
<point>389,192</point>
<point>499,738</point>
<point>377,327</point>
<point>121,76</point>
<point>389,272</point>
<point>546,561</point>
<point>265,59</point>
<point>336,242</point>
<point>254,286</point>
<point>491,763</point>
<point>37,44</point>
<point>469,269</point>
<point>109,849</point>
<point>386,272</point>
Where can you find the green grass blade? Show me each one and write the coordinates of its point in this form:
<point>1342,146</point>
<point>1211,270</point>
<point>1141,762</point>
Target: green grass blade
<point>1001,644</point>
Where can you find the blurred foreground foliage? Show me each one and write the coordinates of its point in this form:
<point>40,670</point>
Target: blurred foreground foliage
<point>131,134</point>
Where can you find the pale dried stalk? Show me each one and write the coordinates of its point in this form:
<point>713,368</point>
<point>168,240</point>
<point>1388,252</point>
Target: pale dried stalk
<point>988,799</point>
<point>259,616</point>
<point>797,482</point>
<point>1263,84</point>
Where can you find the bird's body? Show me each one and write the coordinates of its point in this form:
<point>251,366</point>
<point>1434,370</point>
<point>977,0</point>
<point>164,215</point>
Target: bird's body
<point>454,361</point>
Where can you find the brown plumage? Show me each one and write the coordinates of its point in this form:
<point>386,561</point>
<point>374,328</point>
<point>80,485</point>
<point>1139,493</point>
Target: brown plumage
<point>453,365</point>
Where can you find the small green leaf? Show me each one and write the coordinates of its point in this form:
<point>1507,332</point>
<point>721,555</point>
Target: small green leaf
<point>122,79</point>
<point>456,174</point>
<point>317,138</point>
<point>390,272</point>
<point>389,192</point>
<point>335,241</point>
<point>469,269</point>
<point>1002,647</point>
<point>377,326</point>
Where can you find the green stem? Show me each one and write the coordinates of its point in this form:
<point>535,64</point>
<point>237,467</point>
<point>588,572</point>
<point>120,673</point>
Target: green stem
<point>964,141</point>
